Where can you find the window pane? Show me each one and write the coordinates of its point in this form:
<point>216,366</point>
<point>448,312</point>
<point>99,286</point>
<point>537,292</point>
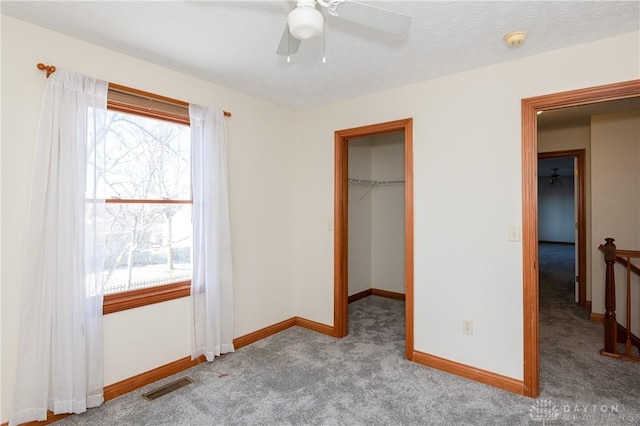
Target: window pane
<point>146,245</point>
<point>147,158</point>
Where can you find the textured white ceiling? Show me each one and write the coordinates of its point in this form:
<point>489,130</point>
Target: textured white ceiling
<point>233,43</point>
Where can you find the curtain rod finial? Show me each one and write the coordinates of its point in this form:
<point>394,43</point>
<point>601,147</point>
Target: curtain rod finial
<point>49,68</point>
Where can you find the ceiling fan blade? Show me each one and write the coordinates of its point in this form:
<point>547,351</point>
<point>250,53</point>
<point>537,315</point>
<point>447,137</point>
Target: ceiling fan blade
<point>372,16</point>
<point>288,43</point>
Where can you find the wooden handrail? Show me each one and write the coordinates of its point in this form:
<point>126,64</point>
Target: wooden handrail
<point>626,253</point>
<point>623,255</point>
<point>611,256</point>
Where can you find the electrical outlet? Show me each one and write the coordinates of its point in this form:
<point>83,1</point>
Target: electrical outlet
<point>467,326</point>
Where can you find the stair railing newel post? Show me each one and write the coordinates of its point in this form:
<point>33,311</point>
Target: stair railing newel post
<point>610,322</point>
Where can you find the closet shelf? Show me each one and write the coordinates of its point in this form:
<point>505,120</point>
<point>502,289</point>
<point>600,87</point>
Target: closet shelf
<point>369,182</point>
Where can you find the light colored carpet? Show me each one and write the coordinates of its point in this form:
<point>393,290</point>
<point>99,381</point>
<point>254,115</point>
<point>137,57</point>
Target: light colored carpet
<point>299,377</point>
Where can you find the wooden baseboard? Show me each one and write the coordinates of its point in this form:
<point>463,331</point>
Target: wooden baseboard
<point>389,294</point>
<point>361,295</point>
<point>473,373</point>
<point>315,326</point>
<point>132,383</point>
<point>593,316</point>
<point>247,339</point>
<point>376,292</point>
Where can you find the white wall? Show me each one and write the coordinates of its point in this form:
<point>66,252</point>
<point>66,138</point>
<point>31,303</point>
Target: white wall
<point>615,164</point>
<point>261,156</point>
<point>467,191</point>
<point>387,207</point>
<point>571,138</point>
<point>359,226</point>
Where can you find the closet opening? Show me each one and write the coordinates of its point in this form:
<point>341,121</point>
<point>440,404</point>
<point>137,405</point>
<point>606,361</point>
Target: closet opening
<point>374,219</point>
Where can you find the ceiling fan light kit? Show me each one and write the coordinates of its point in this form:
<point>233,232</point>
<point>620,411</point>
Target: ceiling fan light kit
<point>305,21</point>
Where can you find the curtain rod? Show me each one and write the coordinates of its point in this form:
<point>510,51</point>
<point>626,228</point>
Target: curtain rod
<point>50,69</point>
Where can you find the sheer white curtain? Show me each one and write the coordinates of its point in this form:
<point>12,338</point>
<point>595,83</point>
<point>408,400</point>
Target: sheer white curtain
<point>212,282</point>
<point>60,365</point>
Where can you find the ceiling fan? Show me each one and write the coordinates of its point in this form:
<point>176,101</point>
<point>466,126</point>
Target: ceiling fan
<point>555,178</point>
<point>306,21</point>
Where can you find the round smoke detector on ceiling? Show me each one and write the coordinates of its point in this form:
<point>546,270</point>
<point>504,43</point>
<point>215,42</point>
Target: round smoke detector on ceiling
<point>515,38</point>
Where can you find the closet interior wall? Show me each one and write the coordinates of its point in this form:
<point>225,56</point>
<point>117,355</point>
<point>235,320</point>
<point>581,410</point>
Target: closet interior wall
<point>376,214</point>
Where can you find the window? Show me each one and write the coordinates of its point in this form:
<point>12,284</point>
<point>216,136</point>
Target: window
<point>148,200</point>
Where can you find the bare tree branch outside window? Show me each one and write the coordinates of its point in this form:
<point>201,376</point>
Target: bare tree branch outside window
<point>148,224</point>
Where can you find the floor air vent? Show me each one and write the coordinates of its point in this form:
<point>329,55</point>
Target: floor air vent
<point>168,388</point>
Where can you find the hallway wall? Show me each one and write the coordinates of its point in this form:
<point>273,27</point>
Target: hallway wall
<point>615,141</point>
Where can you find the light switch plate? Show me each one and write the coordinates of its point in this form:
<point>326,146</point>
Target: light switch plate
<point>467,326</point>
<point>514,233</point>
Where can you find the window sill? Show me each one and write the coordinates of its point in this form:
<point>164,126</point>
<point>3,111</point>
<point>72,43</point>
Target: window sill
<point>147,296</point>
